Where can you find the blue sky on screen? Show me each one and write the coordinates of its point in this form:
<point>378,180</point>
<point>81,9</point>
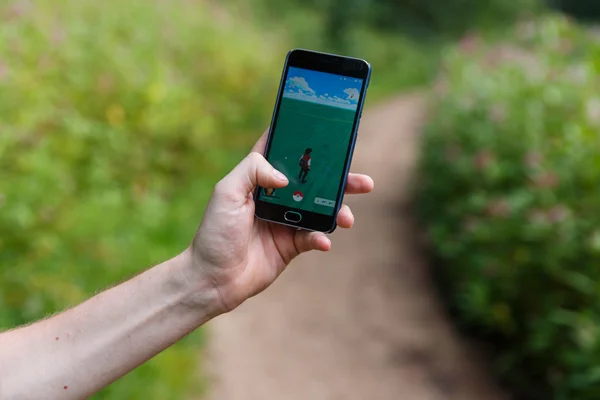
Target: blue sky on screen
<point>322,88</point>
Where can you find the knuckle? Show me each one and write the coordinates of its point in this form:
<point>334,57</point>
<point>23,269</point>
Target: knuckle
<point>255,157</point>
<point>220,187</point>
<point>224,193</point>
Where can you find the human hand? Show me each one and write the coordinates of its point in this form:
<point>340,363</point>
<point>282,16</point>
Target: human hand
<point>240,255</point>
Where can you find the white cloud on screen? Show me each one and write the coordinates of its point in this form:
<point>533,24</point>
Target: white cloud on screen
<point>352,93</point>
<point>298,88</point>
<point>339,100</point>
<point>329,101</point>
<point>300,83</point>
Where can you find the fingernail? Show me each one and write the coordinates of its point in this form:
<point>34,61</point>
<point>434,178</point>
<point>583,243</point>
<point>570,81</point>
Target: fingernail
<point>279,175</point>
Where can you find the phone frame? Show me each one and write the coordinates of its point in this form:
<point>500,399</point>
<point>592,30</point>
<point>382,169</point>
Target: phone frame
<point>323,62</point>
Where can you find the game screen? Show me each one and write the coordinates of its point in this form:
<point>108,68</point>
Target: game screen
<point>312,133</point>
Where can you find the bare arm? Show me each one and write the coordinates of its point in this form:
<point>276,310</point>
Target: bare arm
<point>233,257</point>
<point>74,354</point>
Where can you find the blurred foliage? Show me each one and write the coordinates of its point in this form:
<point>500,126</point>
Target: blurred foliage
<point>117,118</point>
<point>400,38</point>
<point>398,61</point>
<point>584,10</point>
<point>509,194</point>
<point>419,19</point>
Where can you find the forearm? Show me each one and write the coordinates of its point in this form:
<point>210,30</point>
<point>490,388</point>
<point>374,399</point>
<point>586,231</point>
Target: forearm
<point>74,354</point>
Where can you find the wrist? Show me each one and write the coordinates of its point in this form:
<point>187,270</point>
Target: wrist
<point>195,291</point>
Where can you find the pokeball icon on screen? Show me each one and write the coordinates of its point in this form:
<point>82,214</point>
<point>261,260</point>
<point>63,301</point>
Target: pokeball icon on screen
<point>298,196</point>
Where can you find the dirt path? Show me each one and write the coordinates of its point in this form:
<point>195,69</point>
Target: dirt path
<point>359,322</point>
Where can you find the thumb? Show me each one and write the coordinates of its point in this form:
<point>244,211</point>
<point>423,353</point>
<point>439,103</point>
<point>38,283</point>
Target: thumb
<point>252,171</point>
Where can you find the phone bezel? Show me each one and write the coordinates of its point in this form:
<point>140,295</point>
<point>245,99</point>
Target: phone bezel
<point>334,64</point>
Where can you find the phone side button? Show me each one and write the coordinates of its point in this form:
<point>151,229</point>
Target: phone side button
<point>292,216</point>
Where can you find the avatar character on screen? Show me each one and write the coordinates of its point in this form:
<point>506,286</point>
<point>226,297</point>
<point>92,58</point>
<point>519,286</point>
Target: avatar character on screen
<point>304,165</point>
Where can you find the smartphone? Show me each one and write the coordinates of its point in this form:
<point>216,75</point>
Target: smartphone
<point>311,138</point>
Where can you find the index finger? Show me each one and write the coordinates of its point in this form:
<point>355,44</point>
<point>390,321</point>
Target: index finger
<point>359,184</point>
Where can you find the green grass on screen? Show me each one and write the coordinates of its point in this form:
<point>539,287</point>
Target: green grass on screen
<point>326,130</point>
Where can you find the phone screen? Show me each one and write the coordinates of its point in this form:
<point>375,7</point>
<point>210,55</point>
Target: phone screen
<point>310,139</point>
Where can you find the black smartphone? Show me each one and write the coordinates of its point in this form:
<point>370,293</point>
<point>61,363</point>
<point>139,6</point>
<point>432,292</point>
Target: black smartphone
<point>311,138</point>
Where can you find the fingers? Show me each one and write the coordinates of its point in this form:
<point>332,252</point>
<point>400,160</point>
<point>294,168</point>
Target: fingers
<point>253,171</point>
<point>261,144</point>
<point>345,218</point>
<point>359,184</point>
<point>307,241</point>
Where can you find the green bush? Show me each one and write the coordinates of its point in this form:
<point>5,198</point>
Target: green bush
<point>584,10</point>
<point>116,119</point>
<point>398,61</point>
<point>425,19</point>
<point>509,194</point>
<point>443,17</point>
